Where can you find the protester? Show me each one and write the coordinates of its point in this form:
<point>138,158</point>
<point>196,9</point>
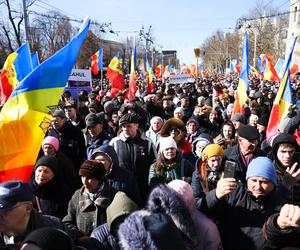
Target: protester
<point>74,117</point>
<point>51,194</point>
<point>17,216</point>
<point>170,165</point>
<point>208,171</point>
<point>153,133</point>
<point>226,138</point>
<point>87,208</point>
<point>135,152</point>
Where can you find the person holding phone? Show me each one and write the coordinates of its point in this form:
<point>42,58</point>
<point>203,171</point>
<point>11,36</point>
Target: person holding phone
<point>208,171</point>
<point>242,209</point>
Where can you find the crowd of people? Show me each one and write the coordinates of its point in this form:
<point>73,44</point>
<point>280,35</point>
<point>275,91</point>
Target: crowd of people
<point>174,168</point>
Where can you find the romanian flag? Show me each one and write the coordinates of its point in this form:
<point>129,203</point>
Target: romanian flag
<point>270,73</point>
<point>150,75</point>
<point>26,116</point>
<point>260,66</point>
<point>115,75</point>
<point>158,71</point>
<point>193,70</point>
<point>243,85</point>
<point>97,62</point>
<point>16,67</point>
<point>132,80</point>
<point>283,99</point>
<point>185,70</point>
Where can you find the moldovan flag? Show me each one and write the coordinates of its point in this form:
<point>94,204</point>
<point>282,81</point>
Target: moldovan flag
<point>97,62</point>
<point>283,99</point>
<point>35,60</point>
<point>26,115</point>
<point>150,75</point>
<point>270,73</point>
<point>115,75</point>
<point>16,67</point>
<point>243,86</point>
<point>132,80</point>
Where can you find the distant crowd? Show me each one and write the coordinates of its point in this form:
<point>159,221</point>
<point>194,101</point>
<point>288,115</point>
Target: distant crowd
<point>172,168</point>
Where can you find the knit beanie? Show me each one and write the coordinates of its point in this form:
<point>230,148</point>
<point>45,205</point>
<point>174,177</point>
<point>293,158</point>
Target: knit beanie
<point>179,109</point>
<point>156,118</point>
<point>52,141</point>
<point>92,169</point>
<point>262,167</point>
<point>166,142</point>
<point>212,150</point>
<point>49,161</point>
<point>121,205</point>
<point>48,238</point>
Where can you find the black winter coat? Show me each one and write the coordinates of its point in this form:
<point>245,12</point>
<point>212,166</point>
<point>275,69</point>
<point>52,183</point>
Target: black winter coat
<point>241,216</point>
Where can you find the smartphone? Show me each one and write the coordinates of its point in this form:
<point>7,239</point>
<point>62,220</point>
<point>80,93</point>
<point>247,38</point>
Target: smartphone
<point>230,169</point>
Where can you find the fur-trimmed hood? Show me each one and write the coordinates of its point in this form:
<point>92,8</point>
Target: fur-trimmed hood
<point>164,200</point>
<point>174,122</point>
<point>146,230</point>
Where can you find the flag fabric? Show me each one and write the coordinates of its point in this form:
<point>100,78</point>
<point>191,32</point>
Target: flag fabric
<point>132,80</point>
<point>97,62</point>
<point>260,66</point>
<point>35,59</point>
<point>279,66</point>
<point>150,75</point>
<point>16,67</point>
<point>243,85</point>
<point>270,73</point>
<point>26,116</point>
<point>115,75</point>
<point>294,69</point>
<point>283,99</point>
<point>158,71</point>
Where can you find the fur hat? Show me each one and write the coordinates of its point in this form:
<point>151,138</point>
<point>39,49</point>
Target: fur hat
<point>173,122</point>
<point>52,141</point>
<point>92,169</point>
<point>212,150</point>
<point>262,167</point>
<point>166,142</point>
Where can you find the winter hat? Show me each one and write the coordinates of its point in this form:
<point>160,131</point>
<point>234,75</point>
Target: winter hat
<point>202,142</point>
<point>49,161</point>
<point>262,167</point>
<point>129,118</point>
<point>92,169</point>
<point>52,141</point>
<point>263,121</point>
<point>185,191</point>
<point>59,113</point>
<point>156,118</point>
<point>212,150</point>
<point>237,117</point>
<point>166,142</point>
<point>121,205</point>
<point>145,230</point>
<point>248,132</point>
<point>179,109</point>
<point>48,238</point>
<point>12,192</point>
<point>284,138</point>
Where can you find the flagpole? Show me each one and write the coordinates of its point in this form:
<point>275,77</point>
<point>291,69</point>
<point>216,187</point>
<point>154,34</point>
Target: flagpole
<point>101,79</point>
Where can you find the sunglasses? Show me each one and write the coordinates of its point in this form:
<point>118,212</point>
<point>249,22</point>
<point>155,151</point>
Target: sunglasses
<point>174,129</point>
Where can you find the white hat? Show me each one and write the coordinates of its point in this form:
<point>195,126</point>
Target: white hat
<point>166,142</point>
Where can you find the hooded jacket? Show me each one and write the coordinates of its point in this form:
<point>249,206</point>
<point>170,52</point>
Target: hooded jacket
<point>163,199</point>
<point>103,236</point>
<point>120,179</point>
<point>294,196</point>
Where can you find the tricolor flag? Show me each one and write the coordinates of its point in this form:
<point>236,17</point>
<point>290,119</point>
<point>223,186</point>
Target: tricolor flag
<point>35,60</point>
<point>115,75</point>
<point>97,62</point>
<point>283,99</point>
<point>150,75</point>
<point>243,85</point>
<point>16,67</point>
<point>260,66</point>
<point>132,80</point>
<point>270,73</point>
<point>26,115</point>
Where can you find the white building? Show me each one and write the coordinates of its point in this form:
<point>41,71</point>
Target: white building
<point>294,30</point>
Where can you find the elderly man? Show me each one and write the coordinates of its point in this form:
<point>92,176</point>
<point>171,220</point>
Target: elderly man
<point>17,216</point>
<point>245,151</point>
<point>135,152</point>
<point>241,210</point>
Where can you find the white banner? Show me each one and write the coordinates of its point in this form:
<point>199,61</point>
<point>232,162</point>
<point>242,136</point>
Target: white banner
<point>80,75</point>
<point>181,78</point>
